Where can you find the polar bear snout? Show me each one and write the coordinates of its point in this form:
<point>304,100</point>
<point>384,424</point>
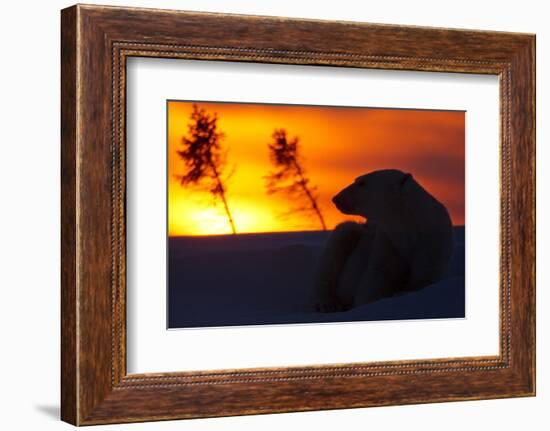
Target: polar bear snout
<point>344,202</point>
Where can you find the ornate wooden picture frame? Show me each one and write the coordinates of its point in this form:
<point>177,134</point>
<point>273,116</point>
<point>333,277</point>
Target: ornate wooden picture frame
<point>96,41</point>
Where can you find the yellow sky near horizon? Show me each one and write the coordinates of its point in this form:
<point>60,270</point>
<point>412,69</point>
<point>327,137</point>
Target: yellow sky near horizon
<point>337,145</point>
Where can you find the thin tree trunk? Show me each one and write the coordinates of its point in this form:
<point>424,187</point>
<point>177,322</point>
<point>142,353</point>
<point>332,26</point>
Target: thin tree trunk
<point>229,216</point>
<point>224,200</point>
<point>313,201</point>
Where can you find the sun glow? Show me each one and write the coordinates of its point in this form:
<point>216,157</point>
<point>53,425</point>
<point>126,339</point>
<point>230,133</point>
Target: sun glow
<point>337,145</point>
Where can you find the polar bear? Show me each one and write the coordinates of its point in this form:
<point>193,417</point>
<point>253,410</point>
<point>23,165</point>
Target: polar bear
<point>405,245</point>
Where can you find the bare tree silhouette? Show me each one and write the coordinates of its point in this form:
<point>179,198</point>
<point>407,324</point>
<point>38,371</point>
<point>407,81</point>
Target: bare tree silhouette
<point>290,175</point>
<point>204,159</point>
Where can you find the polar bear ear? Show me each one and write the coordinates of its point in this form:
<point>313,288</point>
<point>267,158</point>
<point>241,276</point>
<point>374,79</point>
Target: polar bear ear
<point>405,180</point>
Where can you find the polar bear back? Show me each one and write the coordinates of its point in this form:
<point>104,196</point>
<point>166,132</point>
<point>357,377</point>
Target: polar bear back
<point>417,222</point>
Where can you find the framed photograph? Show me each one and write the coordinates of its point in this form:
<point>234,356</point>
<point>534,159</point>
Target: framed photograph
<point>263,214</point>
<point>281,237</point>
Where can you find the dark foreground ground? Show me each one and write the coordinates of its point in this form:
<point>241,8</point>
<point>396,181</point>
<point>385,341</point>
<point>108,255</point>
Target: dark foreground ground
<point>254,279</point>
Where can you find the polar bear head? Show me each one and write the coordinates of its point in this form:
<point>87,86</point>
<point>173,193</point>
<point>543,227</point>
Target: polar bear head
<point>371,195</point>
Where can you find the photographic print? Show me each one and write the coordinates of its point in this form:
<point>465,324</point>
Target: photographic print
<point>293,214</point>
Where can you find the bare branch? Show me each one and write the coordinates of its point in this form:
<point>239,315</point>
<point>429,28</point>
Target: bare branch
<point>289,175</point>
<point>203,157</point>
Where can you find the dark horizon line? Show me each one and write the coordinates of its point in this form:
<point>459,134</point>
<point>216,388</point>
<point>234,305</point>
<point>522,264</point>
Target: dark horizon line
<point>268,232</point>
<point>317,106</point>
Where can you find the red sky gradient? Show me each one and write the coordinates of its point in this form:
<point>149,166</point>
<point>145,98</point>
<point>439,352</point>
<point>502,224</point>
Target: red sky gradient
<point>337,145</point>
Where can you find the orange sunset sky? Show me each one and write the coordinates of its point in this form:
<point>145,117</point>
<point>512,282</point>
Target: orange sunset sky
<point>337,145</point>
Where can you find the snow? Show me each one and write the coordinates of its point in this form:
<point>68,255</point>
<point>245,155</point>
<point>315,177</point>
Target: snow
<point>255,279</point>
